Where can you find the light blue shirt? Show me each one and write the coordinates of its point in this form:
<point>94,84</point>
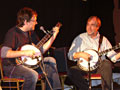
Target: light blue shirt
<point>84,42</point>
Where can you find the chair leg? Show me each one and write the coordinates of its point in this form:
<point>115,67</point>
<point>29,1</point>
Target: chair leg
<point>112,85</point>
<point>18,86</point>
<point>0,85</point>
<point>62,82</point>
<point>43,85</point>
<point>62,78</point>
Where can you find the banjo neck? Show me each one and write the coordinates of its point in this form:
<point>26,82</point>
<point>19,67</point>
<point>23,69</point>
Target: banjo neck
<point>47,36</point>
<point>43,40</point>
<point>107,50</point>
<point>94,62</point>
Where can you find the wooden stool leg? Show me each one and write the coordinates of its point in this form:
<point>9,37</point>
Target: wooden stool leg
<point>62,81</point>
<point>43,85</point>
<point>18,86</point>
<point>0,85</point>
<point>112,85</point>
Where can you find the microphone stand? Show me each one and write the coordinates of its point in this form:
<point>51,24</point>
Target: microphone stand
<point>44,73</point>
<point>89,74</point>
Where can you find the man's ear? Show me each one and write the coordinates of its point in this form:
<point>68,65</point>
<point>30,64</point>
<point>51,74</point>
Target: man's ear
<point>25,22</point>
<point>98,28</point>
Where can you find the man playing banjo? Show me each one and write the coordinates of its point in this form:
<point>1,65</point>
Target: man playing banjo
<point>81,50</point>
<point>20,35</point>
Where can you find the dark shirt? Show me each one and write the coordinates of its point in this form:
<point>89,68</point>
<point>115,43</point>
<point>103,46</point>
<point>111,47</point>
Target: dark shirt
<point>16,38</point>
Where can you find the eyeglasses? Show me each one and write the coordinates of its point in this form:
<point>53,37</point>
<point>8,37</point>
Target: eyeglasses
<point>33,20</point>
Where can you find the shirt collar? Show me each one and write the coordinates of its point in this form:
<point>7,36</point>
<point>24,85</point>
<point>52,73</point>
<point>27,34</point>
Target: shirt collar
<point>97,36</point>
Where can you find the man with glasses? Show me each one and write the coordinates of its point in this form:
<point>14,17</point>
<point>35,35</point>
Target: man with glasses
<point>22,34</point>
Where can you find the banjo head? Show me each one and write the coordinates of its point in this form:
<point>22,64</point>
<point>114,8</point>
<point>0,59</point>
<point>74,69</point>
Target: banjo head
<point>28,61</point>
<point>94,60</point>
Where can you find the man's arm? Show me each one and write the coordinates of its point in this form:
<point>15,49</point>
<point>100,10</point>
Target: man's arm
<point>48,44</point>
<point>83,55</point>
<point>7,52</point>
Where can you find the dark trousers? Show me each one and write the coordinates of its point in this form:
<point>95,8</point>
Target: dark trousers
<point>105,69</point>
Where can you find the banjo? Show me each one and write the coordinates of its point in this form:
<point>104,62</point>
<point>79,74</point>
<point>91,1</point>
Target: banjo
<point>33,62</point>
<point>94,59</point>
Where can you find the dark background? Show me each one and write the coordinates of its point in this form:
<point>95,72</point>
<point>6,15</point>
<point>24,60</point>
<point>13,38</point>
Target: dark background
<point>71,13</point>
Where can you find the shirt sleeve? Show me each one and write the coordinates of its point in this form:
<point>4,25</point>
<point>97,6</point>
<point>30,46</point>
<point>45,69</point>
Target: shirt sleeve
<point>9,40</point>
<point>75,47</point>
<point>111,53</point>
<point>4,51</point>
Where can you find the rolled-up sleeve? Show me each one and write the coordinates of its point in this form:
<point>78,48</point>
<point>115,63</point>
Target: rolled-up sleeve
<point>111,53</point>
<point>4,51</point>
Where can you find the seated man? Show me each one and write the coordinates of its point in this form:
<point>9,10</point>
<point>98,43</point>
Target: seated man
<point>22,34</point>
<point>91,40</point>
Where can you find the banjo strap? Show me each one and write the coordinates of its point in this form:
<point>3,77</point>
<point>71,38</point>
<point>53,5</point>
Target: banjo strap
<point>29,36</point>
<point>100,41</point>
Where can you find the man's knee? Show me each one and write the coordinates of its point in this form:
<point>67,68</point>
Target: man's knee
<point>33,77</point>
<point>106,65</point>
<point>50,59</point>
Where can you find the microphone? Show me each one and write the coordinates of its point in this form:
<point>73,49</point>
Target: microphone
<point>42,28</point>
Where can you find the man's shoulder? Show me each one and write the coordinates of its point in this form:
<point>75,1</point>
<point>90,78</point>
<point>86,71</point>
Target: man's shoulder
<point>83,34</point>
<point>12,32</point>
<point>12,29</point>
